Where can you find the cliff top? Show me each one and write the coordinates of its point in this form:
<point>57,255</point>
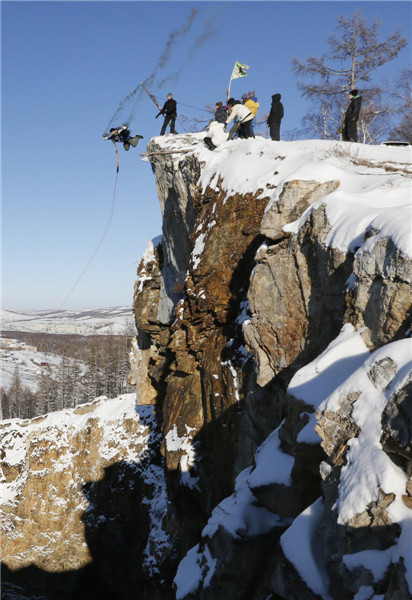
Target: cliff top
<point>380,202</point>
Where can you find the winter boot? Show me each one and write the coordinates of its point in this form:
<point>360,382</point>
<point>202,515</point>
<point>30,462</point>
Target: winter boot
<point>209,143</point>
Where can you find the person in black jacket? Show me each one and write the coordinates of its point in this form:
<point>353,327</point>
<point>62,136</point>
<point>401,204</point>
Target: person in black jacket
<point>122,134</point>
<point>220,113</point>
<point>350,130</point>
<point>169,111</point>
<point>275,117</point>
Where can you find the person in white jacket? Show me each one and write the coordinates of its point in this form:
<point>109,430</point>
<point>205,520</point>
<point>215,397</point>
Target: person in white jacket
<point>244,116</point>
<point>217,135</point>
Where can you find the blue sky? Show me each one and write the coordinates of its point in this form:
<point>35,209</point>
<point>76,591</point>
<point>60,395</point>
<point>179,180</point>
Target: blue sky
<point>66,67</point>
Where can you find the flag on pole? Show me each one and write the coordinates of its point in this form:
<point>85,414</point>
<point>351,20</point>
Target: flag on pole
<point>239,70</point>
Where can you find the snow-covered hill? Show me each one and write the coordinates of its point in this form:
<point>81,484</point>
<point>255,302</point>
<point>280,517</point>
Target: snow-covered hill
<point>102,321</point>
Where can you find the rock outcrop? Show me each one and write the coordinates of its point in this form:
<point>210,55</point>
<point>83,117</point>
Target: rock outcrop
<point>273,323</point>
<point>260,300</point>
<point>71,482</point>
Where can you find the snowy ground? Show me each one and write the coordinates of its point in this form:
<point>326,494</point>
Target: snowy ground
<point>103,321</point>
<point>381,201</point>
<point>14,353</point>
<point>30,363</point>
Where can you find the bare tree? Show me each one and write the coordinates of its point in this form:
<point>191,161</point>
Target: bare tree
<point>355,53</point>
<point>402,93</point>
<point>15,393</point>
<point>47,394</point>
<point>5,412</point>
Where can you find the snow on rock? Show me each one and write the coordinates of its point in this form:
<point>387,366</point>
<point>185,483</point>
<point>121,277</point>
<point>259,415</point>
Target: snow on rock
<point>185,446</point>
<point>54,468</point>
<point>343,368</point>
<point>240,517</point>
<point>148,257</point>
<point>371,484</point>
<point>380,201</point>
<point>196,567</point>
<point>298,544</point>
<point>272,465</point>
<point>239,514</point>
<point>314,382</point>
<point>368,468</point>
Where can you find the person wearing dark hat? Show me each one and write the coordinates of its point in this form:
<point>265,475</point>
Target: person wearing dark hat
<point>169,111</point>
<point>350,130</point>
<point>275,117</point>
<point>250,101</point>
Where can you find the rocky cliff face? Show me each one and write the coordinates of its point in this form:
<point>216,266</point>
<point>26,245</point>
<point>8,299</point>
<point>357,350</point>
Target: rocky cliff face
<point>276,275</point>
<point>273,321</point>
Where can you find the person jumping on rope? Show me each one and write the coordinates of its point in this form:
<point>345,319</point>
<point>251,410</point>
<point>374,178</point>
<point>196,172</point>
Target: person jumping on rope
<point>122,134</point>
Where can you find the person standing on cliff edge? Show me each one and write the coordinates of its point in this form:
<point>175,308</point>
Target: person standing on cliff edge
<point>275,117</point>
<point>169,111</point>
<point>350,123</point>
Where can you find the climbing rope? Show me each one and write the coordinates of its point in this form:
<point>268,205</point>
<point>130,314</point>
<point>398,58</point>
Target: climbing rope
<point>153,99</point>
<point>188,105</point>
<point>99,243</point>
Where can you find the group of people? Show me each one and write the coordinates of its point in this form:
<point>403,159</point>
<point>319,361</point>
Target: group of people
<point>243,113</point>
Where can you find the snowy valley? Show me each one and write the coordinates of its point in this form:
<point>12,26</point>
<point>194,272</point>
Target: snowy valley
<point>43,350</point>
<point>103,321</point>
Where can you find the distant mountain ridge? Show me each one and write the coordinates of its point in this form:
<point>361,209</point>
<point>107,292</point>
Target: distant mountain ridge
<point>98,321</point>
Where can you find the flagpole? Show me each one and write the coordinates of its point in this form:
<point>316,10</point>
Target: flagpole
<point>228,90</point>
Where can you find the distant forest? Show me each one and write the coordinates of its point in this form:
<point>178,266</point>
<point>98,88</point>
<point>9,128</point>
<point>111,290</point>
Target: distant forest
<point>90,366</point>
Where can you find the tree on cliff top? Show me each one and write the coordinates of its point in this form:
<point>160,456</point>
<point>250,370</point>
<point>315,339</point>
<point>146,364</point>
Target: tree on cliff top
<point>355,54</point>
<point>403,94</point>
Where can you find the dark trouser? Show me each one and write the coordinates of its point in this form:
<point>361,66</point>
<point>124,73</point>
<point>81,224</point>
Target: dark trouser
<point>172,120</point>
<point>350,132</point>
<point>274,129</point>
<point>245,130</point>
<point>233,131</point>
<point>209,143</point>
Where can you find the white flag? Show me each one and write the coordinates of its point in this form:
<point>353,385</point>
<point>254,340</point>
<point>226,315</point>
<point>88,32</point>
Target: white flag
<point>239,70</point>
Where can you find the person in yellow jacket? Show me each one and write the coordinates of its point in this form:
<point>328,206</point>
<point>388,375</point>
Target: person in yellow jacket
<point>250,101</point>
